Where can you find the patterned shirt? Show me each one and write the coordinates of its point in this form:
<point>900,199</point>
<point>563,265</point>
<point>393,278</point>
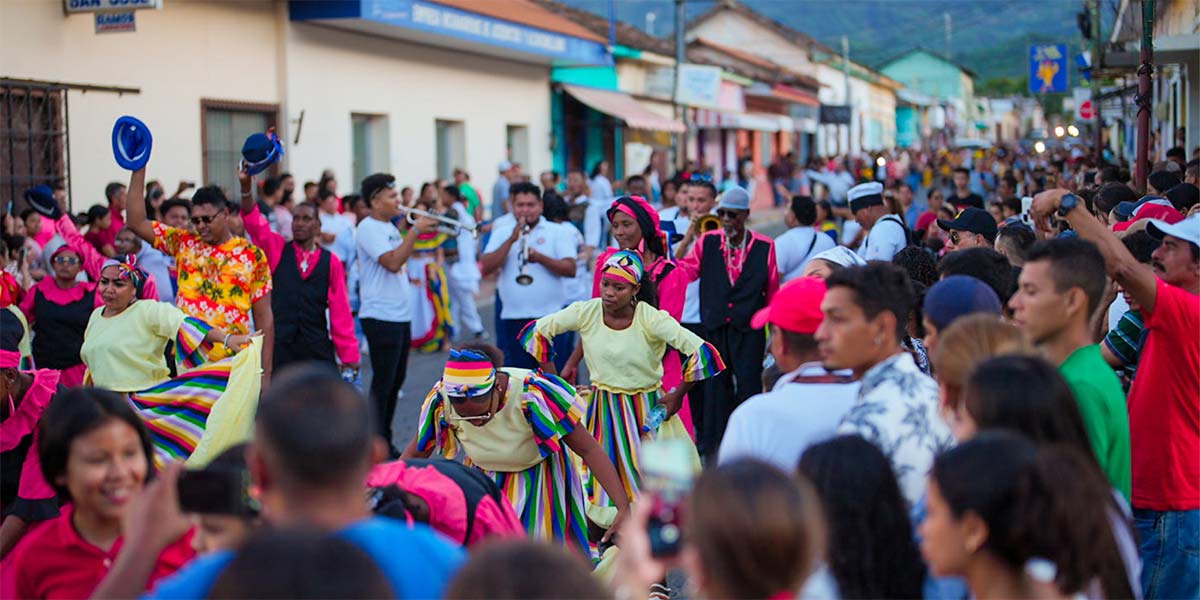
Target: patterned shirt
<point>1125,341</point>
<point>897,410</point>
<point>217,284</point>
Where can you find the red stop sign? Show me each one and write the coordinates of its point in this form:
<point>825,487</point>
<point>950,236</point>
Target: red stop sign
<point>1085,111</point>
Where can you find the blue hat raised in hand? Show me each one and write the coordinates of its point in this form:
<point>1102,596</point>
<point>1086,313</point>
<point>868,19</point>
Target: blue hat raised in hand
<point>260,151</point>
<point>131,141</point>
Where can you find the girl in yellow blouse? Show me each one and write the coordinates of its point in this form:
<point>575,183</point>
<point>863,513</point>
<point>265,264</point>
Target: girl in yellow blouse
<point>123,351</point>
<point>624,338</point>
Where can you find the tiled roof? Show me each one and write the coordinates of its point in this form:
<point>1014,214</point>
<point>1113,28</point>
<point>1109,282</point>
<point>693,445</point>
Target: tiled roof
<point>627,35</point>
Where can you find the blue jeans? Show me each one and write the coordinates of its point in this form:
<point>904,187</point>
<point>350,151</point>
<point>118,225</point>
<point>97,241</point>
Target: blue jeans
<point>1170,549</point>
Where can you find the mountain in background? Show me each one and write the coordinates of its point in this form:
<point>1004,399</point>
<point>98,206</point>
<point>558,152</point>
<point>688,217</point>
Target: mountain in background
<point>991,37</point>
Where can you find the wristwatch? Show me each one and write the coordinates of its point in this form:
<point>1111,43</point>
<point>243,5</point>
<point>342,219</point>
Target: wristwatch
<point>1067,204</point>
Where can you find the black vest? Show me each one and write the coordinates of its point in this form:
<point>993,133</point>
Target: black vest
<point>299,304</point>
<point>722,304</point>
<point>58,330</point>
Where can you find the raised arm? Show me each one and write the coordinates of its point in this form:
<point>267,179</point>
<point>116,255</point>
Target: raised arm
<point>135,206</point>
<point>1137,279</point>
<point>93,260</point>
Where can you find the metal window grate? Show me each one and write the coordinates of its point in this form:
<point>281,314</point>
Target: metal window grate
<point>34,145</point>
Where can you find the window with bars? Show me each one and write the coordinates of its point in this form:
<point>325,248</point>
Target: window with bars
<point>34,147</point>
<point>225,127</point>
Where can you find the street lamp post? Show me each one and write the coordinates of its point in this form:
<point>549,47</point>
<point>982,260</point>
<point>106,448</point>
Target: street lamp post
<point>1145,96</point>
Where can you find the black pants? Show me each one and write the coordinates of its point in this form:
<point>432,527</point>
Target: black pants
<point>389,342</point>
<point>742,351</point>
<point>697,396</point>
<point>298,351</point>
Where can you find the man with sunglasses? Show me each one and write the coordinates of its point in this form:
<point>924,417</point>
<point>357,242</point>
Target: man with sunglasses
<point>972,228</point>
<point>738,276</point>
<point>223,279</point>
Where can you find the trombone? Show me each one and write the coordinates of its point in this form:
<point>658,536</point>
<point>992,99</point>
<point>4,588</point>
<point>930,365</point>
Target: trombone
<point>447,225</point>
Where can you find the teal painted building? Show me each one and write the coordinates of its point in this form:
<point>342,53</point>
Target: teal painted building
<point>931,74</point>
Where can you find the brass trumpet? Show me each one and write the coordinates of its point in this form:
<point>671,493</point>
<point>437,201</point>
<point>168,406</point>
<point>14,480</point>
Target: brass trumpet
<point>707,223</point>
<point>446,225</point>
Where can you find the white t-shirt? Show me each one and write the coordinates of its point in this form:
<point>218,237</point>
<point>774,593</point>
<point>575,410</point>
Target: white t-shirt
<point>467,266</point>
<point>385,295</point>
<point>547,293</point>
<point>884,241</point>
<point>1116,310</point>
<point>795,247</point>
<point>343,227</point>
<point>579,287</point>
<point>777,426</point>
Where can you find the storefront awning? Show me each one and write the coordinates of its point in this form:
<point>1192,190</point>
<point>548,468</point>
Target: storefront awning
<point>795,95</point>
<point>624,107</point>
<point>712,119</point>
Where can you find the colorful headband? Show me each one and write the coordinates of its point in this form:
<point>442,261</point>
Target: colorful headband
<point>128,269</point>
<point>10,359</point>
<point>625,266</point>
<point>468,374</point>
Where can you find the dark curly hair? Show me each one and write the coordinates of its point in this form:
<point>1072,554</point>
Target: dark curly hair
<point>871,550</point>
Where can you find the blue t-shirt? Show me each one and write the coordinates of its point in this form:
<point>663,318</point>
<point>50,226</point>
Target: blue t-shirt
<point>417,562</point>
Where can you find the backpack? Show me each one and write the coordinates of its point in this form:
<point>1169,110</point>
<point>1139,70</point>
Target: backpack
<point>458,501</point>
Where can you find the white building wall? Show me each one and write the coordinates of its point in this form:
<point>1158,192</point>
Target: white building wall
<point>180,54</point>
<point>334,73</point>
<point>736,31</point>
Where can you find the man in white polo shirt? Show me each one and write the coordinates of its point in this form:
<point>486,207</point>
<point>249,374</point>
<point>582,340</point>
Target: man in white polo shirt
<point>807,402</point>
<point>385,314</point>
<point>539,253</point>
<point>802,241</point>
<point>887,234</point>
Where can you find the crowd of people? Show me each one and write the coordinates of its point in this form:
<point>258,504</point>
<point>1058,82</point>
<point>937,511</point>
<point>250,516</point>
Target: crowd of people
<point>958,374</point>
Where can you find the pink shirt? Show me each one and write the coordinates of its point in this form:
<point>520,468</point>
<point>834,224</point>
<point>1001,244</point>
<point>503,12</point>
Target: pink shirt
<point>93,263</point>
<point>341,322</point>
<point>690,264</point>
<point>21,423</point>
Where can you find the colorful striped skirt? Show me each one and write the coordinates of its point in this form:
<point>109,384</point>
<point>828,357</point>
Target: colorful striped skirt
<point>549,499</point>
<point>433,324</point>
<point>203,411</point>
<point>615,420</point>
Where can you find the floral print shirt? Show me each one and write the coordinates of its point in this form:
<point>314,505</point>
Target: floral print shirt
<point>897,410</point>
<point>217,284</point>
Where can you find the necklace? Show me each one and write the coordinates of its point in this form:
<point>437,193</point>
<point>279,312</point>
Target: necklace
<point>305,255</point>
<point>741,257</point>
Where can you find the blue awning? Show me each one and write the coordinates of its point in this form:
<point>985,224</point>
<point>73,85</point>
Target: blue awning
<point>441,25</point>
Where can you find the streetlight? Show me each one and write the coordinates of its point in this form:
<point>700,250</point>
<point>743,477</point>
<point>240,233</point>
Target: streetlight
<point>1059,131</point>
<point>1073,131</point>
<point>1039,147</point>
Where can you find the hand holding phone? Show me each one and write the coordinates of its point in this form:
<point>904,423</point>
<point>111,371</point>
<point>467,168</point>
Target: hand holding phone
<point>667,475</point>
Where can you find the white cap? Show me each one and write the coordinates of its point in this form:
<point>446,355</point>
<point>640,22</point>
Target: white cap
<point>1187,230</point>
<point>504,166</point>
<point>735,198</point>
<point>871,188</point>
<point>841,255</point>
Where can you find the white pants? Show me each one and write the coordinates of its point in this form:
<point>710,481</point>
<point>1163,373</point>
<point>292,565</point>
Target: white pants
<point>462,304</point>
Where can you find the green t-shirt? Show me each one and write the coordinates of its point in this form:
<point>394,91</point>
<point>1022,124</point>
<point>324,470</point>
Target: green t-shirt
<point>1105,416</point>
<point>468,192</point>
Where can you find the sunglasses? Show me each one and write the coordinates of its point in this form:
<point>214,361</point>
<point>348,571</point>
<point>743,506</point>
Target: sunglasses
<point>701,177</point>
<point>957,237</point>
<point>730,214</point>
<point>66,260</point>
<point>205,219</point>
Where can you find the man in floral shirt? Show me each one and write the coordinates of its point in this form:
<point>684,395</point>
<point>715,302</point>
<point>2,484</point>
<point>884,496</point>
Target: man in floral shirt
<point>866,311</point>
<point>223,279</point>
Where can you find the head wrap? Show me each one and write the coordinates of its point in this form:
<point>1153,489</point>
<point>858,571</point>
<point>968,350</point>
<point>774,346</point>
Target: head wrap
<point>468,374</point>
<point>127,265</point>
<point>10,359</point>
<point>61,249</point>
<point>647,219</point>
<point>625,266</point>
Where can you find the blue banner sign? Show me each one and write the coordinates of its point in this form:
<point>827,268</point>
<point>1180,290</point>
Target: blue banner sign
<point>1049,72</point>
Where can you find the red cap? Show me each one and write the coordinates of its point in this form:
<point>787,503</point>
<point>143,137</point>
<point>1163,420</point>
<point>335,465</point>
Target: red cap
<point>796,307</point>
<point>1151,211</point>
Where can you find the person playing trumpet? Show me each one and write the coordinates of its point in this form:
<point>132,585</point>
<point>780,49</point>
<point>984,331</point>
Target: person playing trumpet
<point>535,258</point>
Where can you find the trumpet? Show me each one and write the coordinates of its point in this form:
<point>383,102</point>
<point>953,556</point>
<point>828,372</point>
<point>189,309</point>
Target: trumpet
<point>447,225</point>
<point>707,223</point>
<point>524,278</point>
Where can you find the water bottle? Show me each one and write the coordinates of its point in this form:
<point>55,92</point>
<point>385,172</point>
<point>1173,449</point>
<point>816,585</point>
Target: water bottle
<point>657,415</point>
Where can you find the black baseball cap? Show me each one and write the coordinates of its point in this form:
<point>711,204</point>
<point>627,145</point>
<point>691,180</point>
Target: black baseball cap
<point>974,220</point>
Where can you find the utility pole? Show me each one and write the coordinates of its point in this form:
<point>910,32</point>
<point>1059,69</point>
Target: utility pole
<point>849,105</point>
<point>1095,76</point>
<point>946,22</point>
<point>680,57</point>
<point>1145,96</point>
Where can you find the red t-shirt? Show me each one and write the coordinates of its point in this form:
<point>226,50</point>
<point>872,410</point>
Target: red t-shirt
<point>1164,405</point>
<point>53,561</point>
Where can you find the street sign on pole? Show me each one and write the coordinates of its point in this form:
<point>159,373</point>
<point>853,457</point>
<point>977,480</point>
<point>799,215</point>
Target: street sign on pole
<point>1084,108</point>
<point>1048,69</point>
